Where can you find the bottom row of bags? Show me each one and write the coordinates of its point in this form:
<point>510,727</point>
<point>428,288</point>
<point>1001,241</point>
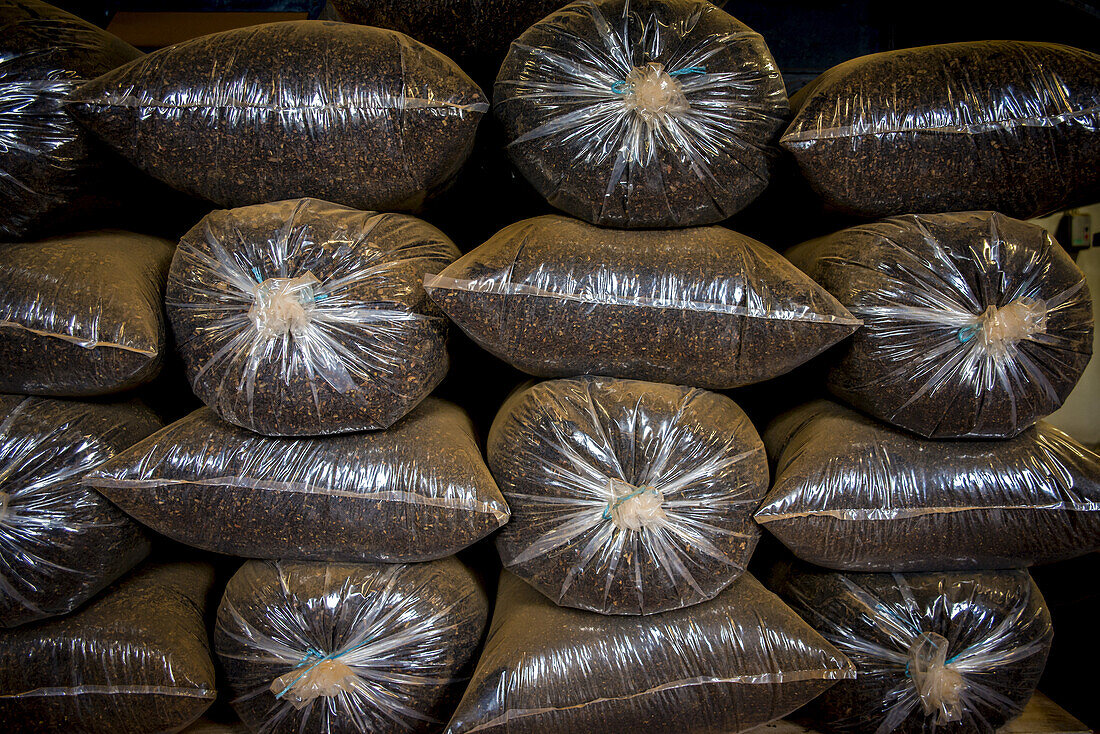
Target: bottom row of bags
<point>325,647</point>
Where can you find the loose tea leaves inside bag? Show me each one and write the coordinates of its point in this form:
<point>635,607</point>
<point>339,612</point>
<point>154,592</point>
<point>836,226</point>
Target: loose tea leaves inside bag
<point>82,314</point>
<point>417,491</point>
<point>854,494</point>
<point>642,113</point>
<point>708,307</point>
<point>49,164</point>
<point>136,659</point>
<point>60,542</point>
<point>331,648</point>
<point>627,497</point>
<point>726,665</point>
<point>1003,125</point>
<point>304,317</point>
<point>958,653</point>
<point>360,116</point>
<point>974,324</point>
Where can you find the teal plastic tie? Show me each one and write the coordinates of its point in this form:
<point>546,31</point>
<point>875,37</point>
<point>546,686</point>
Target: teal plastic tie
<point>614,504</point>
<point>623,86</point>
<point>320,658</point>
<point>967,333</point>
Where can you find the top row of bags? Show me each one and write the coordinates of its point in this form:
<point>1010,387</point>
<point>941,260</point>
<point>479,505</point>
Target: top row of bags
<point>649,113</point>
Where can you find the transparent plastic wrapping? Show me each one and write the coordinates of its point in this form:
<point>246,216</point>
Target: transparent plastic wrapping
<point>857,495</point>
<point>60,542</point>
<point>974,324</point>
<point>957,653</point>
<point>1004,125</point>
<point>48,163</point>
<point>417,491</point>
<point>475,33</point>
<point>642,113</point>
<point>321,648</point>
<point>627,497</point>
<point>304,317</point>
<point>726,665</point>
<point>82,314</point>
<point>135,660</point>
<point>360,116</point>
<point>556,297</point>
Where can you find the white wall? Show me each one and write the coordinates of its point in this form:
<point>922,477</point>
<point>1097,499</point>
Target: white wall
<point>1080,415</point>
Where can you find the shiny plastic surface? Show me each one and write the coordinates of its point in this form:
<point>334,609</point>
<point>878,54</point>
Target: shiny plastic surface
<point>627,497</point>
<point>708,307</point>
<point>949,653</point>
<point>725,665</point>
<point>304,317</point>
<point>360,116</point>
<point>82,314</point>
<point>642,113</point>
<point>1004,125</point>
<point>47,160</point>
<point>854,494</point>
<point>974,324</point>
<point>416,491</point>
<point>320,648</point>
<point>134,660</point>
<point>60,543</point>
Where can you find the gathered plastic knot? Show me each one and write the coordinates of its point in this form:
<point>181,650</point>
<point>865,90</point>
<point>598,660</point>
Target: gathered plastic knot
<point>284,305</point>
<point>634,508</point>
<point>652,92</point>
<point>1001,328</point>
<point>5,500</point>
<point>939,686</point>
<point>317,675</point>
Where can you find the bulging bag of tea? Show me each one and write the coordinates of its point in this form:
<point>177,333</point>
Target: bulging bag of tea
<point>324,648</point>
<point>642,113</point>
<point>726,665</point>
<point>60,542</point>
<point>417,491</point>
<point>137,659</point>
<point>48,162</point>
<point>854,494</point>
<point>388,122</point>
<point>974,324</point>
<point>627,497</point>
<point>937,652</point>
<point>82,314</point>
<point>304,317</point>
<point>706,306</point>
<point>474,33</point>
<point>1003,125</point>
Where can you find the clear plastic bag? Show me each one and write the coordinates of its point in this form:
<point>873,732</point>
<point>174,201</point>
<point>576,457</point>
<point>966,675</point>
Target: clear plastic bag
<point>135,660</point>
<point>48,164</point>
<point>726,665</point>
<point>360,116</point>
<point>627,497</point>
<point>1004,125</point>
<point>857,495</point>
<point>61,543</point>
<point>320,648</point>
<point>951,653</point>
<point>304,317</point>
<point>708,307</point>
<point>82,314</point>
<point>417,491</point>
<point>974,324</point>
<point>642,113</point>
